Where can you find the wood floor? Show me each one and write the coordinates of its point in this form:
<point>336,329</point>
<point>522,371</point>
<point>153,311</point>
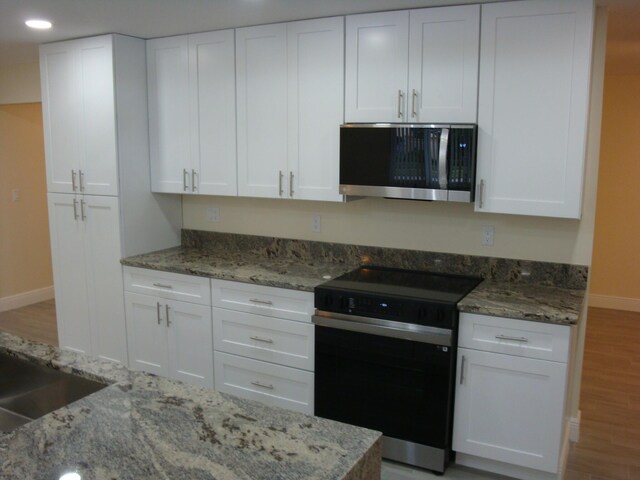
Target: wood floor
<point>609,446</point>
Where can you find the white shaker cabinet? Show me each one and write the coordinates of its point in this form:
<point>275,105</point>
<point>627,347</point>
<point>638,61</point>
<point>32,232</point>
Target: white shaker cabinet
<point>510,396</point>
<point>413,66</point>
<point>533,106</point>
<point>191,88</point>
<point>86,251</point>
<point>290,107</point>
<point>78,99</point>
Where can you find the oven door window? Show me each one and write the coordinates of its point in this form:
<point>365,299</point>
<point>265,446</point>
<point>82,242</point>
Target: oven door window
<point>399,387</point>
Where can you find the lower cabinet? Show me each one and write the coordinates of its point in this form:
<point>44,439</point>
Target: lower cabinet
<point>169,337</point>
<point>510,402</point>
<point>264,344</point>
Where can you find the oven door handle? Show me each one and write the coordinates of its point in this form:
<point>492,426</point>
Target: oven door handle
<point>384,328</point>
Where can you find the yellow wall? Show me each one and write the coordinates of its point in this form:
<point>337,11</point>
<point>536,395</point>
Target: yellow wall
<point>616,259</point>
<point>20,83</point>
<point>25,258</point>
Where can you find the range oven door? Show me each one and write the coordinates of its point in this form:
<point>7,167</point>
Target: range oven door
<point>403,388</point>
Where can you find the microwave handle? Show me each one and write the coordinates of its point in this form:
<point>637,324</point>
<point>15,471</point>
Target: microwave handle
<point>442,158</point>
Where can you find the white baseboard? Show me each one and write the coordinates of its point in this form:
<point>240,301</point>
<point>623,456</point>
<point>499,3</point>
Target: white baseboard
<point>574,427</point>
<point>26,298</point>
<point>614,303</point>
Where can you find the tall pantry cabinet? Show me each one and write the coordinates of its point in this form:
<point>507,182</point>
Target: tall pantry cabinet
<point>100,207</point>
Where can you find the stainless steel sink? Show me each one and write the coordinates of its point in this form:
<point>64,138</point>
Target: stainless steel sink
<point>29,391</point>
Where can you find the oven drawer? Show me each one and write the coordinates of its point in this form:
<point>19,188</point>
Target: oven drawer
<point>264,338</point>
<point>261,300</point>
<point>174,286</point>
<point>265,382</point>
<point>522,338</point>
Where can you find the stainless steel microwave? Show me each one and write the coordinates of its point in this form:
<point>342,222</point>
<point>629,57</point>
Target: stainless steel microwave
<point>412,161</point>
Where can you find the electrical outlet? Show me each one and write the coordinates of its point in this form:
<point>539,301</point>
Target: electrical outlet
<point>15,195</point>
<point>213,214</point>
<point>487,235</point>
<point>316,223</point>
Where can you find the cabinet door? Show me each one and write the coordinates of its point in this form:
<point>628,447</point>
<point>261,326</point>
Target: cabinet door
<point>146,334</point>
<point>509,409</point>
<point>101,222</point>
<point>377,47</point>
<point>261,68</point>
<point>169,120</point>
<point>212,81</point>
<point>533,106</point>
<point>61,110</point>
<point>316,106</point>
<point>190,342</point>
<point>97,136</point>
<point>68,258</point>
<point>443,64</point>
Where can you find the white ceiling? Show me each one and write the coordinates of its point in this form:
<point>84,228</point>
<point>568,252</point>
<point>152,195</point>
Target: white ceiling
<point>157,18</point>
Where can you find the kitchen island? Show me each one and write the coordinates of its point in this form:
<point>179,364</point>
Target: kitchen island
<point>147,427</point>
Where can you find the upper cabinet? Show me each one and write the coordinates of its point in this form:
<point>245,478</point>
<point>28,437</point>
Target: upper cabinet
<point>191,81</point>
<point>533,106</point>
<point>78,99</point>
<point>290,106</point>
<point>413,66</point>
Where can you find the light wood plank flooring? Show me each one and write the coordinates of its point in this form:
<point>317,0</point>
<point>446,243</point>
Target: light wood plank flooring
<point>609,446</point>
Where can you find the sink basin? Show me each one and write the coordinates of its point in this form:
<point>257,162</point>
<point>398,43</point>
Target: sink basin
<point>29,391</point>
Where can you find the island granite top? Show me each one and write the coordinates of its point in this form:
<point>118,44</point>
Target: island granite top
<point>146,427</point>
<point>512,299</point>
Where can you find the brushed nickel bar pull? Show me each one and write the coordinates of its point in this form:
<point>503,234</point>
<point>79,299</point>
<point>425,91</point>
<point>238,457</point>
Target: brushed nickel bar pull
<point>166,309</point>
<point>185,174</point>
<point>73,180</point>
<point>262,302</point>
<point>514,339</point>
<point>81,176</point>
<point>75,209</point>
<point>291,184</point>
<point>464,359</point>
<point>158,312</point>
<point>261,339</point>
<point>442,158</point>
<point>414,97</point>
<point>263,385</point>
<point>400,98</point>
<point>83,215</point>
<point>481,195</point>
<point>280,182</point>
<point>162,285</point>
<point>193,180</point>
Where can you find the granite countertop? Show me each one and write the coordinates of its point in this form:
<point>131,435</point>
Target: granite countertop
<point>541,303</point>
<point>146,427</point>
<point>512,299</point>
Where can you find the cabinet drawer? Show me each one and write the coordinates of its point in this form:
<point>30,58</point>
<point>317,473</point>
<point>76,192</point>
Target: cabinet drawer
<point>522,338</point>
<point>174,286</point>
<point>267,383</point>
<point>264,338</point>
<point>261,300</point>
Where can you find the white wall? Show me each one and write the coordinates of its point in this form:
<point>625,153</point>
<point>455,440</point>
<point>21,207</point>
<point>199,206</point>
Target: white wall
<point>20,83</point>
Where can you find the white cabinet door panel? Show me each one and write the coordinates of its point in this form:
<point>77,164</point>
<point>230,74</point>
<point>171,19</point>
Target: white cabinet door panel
<point>261,86</point>
<point>69,274</point>
<point>316,106</point>
<point>98,130</point>
<point>443,64</point>
<point>509,409</point>
<point>377,47</point>
<point>533,106</point>
<point>146,334</point>
<point>213,110</point>
<point>61,110</point>
<point>190,342</point>
<point>104,276</point>
<point>168,81</point>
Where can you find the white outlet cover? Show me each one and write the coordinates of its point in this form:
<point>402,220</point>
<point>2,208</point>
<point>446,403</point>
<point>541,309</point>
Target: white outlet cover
<point>213,214</point>
<point>316,223</point>
<point>487,235</point>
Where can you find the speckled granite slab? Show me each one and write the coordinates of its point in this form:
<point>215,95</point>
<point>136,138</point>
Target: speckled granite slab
<point>146,427</point>
<point>540,303</point>
<point>541,291</point>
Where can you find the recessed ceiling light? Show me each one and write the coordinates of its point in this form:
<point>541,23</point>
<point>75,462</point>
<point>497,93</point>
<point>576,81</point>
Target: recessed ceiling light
<point>39,24</point>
